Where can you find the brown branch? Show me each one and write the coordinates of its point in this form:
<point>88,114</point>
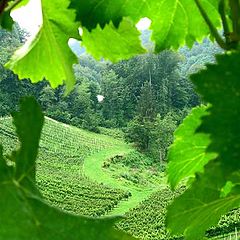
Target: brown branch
<point>3,4</point>
<point>235,10</point>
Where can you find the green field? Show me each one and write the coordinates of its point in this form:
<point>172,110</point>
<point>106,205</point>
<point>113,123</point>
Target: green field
<point>59,168</point>
<point>71,175</point>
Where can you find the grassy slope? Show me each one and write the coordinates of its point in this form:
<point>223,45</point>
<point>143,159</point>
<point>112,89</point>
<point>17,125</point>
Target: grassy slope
<point>92,168</point>
<point>59,167</point>
<point>70,173</point>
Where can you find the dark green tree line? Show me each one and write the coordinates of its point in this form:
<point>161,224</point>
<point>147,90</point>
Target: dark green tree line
<point>136,92</point>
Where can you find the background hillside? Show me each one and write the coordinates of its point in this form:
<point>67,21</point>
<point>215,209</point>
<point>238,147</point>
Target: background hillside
<point>146,96</point>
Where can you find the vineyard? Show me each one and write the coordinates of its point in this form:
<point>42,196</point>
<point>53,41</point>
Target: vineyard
<point>75,172</point>
<point>147,221</point>
<point>70,172</point>
<point>59,175</point>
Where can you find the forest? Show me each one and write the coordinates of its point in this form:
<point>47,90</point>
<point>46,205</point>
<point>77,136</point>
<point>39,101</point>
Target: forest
<point>112,132</point>
<point>146,97</point>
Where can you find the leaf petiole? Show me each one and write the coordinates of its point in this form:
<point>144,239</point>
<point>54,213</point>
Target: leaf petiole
<point>13,5</point>
<point>222,12</point>
<point>212,28</point>
<point>235,10</point>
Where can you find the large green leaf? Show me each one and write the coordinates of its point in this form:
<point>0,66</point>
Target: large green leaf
<point>94,12</point>
<point>21,4</point>
<point>23,213</point>
<point>48,55</point>
<point>174,22</point>
<point>102,42</point>
<point>202,205</point>
<point>6,21</point>
<point>28,124</point>
<point>188,155</point>
<point>220,86</point>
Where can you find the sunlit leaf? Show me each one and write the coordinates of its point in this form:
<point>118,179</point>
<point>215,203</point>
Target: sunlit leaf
<point>47,55</point>
<point>102,42</point>
<point>21,4</point>
<point>188,153</point>
<point>174,22</point>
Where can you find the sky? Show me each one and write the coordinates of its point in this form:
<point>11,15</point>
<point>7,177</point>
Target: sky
<point>29,17</point>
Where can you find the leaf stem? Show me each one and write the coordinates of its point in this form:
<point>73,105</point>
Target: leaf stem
<point>222,12</point>
<point>235,9</point>
<point>13,5</point>
<point>212,28</point>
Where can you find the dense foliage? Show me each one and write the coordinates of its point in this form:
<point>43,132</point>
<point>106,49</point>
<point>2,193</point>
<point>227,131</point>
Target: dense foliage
<point>121,85</point>
<point>148,95</point>
<point>135,168</point>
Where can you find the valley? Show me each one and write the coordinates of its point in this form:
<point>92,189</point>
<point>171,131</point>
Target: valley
<point>75,172</point>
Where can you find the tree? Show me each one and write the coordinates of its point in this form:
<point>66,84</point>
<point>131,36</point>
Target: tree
<point>113,104</point>
<point>163,136</point>
<point>47,98</point>
<point>139,132</point>
<point>146,105</point>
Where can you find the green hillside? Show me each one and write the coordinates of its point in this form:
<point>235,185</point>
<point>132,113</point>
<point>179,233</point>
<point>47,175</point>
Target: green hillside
<point>59,175</point>
<point>70,173</point>
<point>88,174</point>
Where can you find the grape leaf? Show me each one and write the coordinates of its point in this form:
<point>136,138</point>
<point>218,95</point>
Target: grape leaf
<point>188,155</point>
<point>126,36</point>
<point>29,134</point>
<point>21,4</point>
<point>6,21</point>
<point>23,212</point>
<point>89,12</point>
<point>174,22</point>
<point>94,12</point>
<point>47,55</point>
<point>220,86</point>
<point>202,205</point>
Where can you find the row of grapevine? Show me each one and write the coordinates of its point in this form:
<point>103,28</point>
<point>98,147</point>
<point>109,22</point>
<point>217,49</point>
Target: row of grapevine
<point>147,221</point>
<point>59,176</point>
<point>89,198</point>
